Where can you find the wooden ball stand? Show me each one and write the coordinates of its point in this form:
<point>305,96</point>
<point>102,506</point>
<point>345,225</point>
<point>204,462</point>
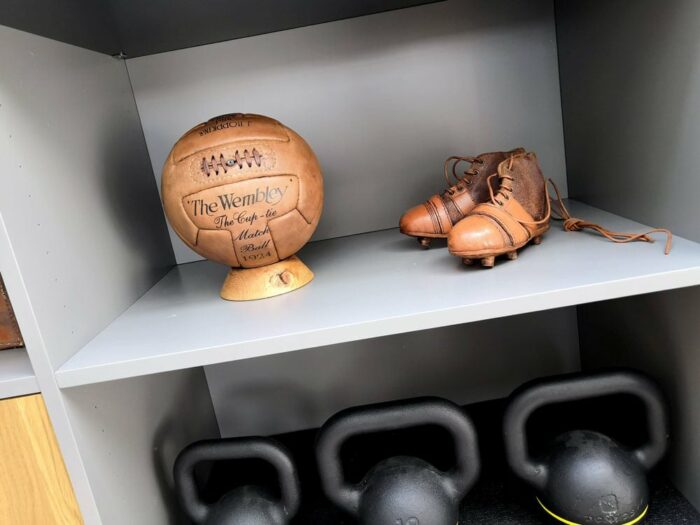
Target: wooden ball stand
<point>249,284</point>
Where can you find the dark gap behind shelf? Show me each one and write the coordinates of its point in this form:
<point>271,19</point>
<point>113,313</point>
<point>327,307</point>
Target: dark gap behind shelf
<point>497,498</point>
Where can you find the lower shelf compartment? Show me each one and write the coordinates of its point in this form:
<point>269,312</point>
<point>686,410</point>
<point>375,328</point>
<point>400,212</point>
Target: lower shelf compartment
<point>16,374</point>
<point>496,499</point>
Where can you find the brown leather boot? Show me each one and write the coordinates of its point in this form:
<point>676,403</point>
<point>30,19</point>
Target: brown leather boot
<point>435,217</point>
<point>517,213</point>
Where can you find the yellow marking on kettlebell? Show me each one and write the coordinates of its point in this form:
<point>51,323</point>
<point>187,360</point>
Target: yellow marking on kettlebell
<point>635,520</point>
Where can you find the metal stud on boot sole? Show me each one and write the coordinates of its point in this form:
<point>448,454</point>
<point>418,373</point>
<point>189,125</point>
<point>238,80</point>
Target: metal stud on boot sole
<point>517,213</point>
<point>488,262</point>
<point>468,184</point>
<point>424,242</point>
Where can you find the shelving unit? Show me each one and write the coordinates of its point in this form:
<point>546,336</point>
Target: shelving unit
<point>372,285</point>
<point>16,375</point>
<point>126,338</point>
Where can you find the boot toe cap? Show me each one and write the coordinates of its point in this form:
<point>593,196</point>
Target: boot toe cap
<point>475,235</point>
<point>417,221</point>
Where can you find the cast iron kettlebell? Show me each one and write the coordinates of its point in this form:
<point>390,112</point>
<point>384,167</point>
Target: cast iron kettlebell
<point>587,477</point>
<point>400,490</point>
<point>248,505</point>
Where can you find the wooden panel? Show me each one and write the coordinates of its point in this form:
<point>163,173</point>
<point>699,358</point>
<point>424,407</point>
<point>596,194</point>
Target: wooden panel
<point>9,331</point>
<point>34,485</point>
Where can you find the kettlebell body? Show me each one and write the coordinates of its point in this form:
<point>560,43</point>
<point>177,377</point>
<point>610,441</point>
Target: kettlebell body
<point>587,477</point>
<point>400,490</point>
<point>246,505</point>
<point>407,491</point>
<point>594,479</point>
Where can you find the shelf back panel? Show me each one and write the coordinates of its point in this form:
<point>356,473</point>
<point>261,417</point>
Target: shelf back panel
<point>465,363</point>
<point>382,99</point>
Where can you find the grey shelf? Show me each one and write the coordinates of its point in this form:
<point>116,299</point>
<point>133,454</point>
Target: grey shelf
<point>16,374</point>
<point>372,285</point>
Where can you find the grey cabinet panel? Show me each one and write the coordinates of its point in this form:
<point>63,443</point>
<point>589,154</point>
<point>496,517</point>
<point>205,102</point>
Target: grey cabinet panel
<point>84,23</point>
<point>383,100</point>
<point>630,78</point>
<point>78,197</point>
<point>138,27</point>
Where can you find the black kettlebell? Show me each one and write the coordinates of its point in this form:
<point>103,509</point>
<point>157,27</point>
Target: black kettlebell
<point>587,477</point>
<point>400,490</point>
<point>247,505</point>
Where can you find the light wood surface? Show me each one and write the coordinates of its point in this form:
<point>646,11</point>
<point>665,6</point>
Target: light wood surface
<point>247,284</point>
<point>34,486</point>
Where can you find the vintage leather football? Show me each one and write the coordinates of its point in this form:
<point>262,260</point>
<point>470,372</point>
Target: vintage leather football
<point>243,190</point>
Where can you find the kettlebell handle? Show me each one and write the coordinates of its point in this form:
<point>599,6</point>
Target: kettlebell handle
<point>395,416</point>
<point>535,395</point>
<point>235,448</point>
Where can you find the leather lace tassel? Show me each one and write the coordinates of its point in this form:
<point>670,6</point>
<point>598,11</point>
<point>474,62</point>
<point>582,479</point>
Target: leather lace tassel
<point>572,224</point>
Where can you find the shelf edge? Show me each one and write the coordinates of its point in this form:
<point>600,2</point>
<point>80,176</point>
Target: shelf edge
<point>68,378</point>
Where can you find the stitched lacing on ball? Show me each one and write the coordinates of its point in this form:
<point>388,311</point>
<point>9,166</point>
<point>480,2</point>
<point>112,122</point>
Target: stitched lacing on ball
<point>237,160</point>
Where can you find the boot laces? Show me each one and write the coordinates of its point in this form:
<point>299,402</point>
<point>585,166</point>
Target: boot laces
<point>463,181</point>
<point>571,224</point>
<point>505,184</point>
<point>505,192</point>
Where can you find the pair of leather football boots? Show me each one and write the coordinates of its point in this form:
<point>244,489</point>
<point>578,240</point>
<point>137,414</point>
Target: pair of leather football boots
<point>496,207</point>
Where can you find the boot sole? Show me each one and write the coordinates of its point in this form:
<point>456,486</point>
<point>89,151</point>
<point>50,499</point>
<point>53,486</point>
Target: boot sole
<point>488,258</point>
<point>424,239</point>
